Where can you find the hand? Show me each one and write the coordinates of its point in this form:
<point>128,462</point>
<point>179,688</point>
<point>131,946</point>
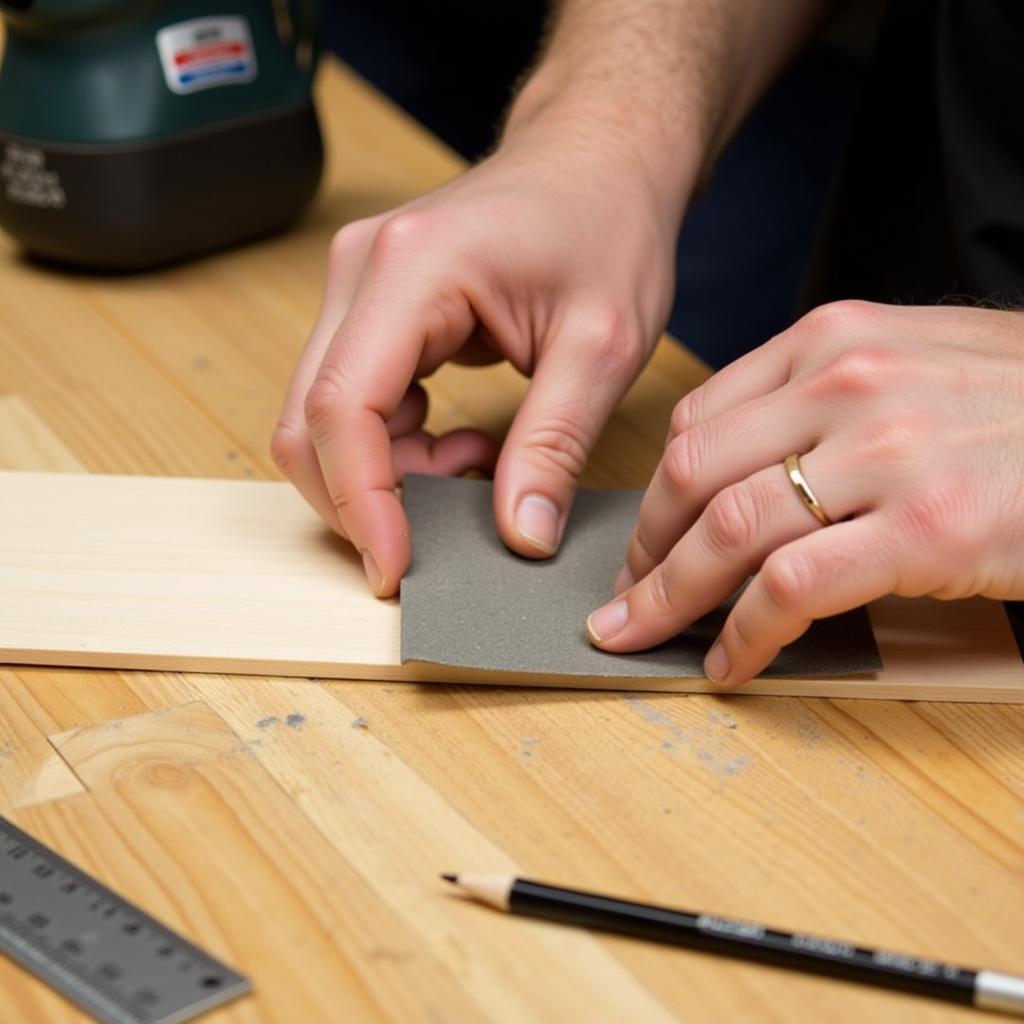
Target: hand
<point>910,426</point>
<point>550,254</point>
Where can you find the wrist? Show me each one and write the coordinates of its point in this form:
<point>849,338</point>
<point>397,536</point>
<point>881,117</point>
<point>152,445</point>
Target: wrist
<point>619,134</point>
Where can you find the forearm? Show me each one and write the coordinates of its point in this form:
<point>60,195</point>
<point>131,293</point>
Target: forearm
<point>663,83</point>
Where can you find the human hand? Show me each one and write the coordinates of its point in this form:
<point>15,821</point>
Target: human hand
<point>910,426</point>
<point>552,254</point>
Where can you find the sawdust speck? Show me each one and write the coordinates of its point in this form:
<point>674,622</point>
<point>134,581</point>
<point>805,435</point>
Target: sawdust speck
<point>526,747</point>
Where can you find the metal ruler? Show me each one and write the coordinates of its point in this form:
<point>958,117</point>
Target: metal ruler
<point>104,954</point>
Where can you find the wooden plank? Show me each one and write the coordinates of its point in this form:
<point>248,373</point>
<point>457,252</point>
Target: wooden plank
<point>98,394</point>
<point>397,830</point>
<point>31,771</point>
<point>728,807</point>
<point>240,576</point>
<point>66,699</point>
<point>183,820</point>
<point>27,442</point>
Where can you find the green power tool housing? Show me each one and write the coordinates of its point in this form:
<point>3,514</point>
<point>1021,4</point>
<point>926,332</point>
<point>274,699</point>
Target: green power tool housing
<point>138,132</point>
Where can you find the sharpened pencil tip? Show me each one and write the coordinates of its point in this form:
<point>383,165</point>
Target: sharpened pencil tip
<point>451,878</point>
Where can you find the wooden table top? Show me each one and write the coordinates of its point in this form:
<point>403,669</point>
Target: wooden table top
<point>295,828</point>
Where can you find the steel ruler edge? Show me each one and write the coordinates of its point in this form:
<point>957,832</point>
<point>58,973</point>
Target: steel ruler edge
<point>106,955</point>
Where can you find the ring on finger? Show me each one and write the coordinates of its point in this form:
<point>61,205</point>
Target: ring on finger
<point>804,489</point>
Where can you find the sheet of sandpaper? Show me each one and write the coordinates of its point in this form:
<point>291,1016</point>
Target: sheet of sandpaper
<point>469,601</point>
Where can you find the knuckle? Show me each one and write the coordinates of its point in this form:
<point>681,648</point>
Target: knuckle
<point>786,579</point>
<point>944,518</point>
<point>662,593</point>
<point>841,319</point>
<point>686,415</point>
<point>682,464</point>
<point>340,500</point>
<point>610,339</point>
<point>559,443</point>
<point>400,233</point>
<point>732,519</point>
<point>322,400</point>
<point>345,243</point>
<point>641,549</point>
<point>859,370</point>
<point>740,630</point>
<point>285,442</point>
<point>894,438</point>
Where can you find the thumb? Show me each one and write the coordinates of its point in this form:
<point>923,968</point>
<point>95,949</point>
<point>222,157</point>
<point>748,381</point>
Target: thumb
<point>574,389</point>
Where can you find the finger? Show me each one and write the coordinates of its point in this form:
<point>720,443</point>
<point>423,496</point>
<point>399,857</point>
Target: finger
<point>295,456</point>
<point>752,376</point>
<point>290,446</point>
<point>755,375</point>
<point>293,452</point>
<point>707,458</point>
<point>480,349</point>
<point>365,373</point>
<point>452,454</point>
<point>815,338</point>
<point>827,572</point>
<point>737,531</point>
<point>411,412</point>
<point>573,392</point>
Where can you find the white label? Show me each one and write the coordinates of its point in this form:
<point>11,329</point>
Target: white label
<point>206,52</point>
<point>28,181</point>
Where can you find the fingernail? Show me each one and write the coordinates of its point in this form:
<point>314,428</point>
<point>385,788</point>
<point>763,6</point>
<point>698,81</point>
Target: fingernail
<point>606,622</point>
<point>373,574</point>
<point>623,581</point>
<point>537,522</point>
<point>716,664</point>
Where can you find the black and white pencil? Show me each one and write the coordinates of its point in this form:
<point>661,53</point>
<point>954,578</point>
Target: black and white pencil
<point>989,990</point>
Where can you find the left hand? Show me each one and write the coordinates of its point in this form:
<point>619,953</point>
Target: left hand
<point>910,426</point>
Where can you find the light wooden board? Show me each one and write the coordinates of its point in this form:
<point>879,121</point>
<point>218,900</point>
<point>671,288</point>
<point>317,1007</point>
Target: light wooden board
<point>240,576</point>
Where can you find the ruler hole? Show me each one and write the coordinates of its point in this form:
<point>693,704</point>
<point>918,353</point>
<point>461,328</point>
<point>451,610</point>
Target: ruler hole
<point>211,981</point>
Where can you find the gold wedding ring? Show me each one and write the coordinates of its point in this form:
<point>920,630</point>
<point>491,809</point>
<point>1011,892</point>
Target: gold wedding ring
<point>803,488</point>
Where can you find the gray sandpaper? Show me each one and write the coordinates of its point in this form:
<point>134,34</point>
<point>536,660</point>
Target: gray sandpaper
<point>468,601</point>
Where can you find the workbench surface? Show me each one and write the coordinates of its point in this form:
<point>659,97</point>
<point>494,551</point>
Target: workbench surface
<point>296,828</point>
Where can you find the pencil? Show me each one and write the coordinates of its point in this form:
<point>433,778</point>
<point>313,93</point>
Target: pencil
<point>988,990</point>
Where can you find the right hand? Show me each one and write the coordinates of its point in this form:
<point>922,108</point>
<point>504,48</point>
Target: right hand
<point>554,254</point>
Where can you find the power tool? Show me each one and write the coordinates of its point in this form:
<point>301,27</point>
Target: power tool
<point>135,133</point>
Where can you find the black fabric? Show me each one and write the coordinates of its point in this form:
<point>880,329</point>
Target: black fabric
<point>450,63</point>
<point>930,203</point>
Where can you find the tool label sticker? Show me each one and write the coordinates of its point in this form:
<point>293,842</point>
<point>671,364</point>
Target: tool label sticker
<point>27,179</point>
<point>206,52</point>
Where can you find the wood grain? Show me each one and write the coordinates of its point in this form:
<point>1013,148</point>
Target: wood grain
<point>207,798</point>
<point>32,771</point>
<point>240,576</point>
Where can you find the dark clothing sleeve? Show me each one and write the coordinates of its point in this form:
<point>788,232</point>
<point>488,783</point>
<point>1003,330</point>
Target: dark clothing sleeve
<point>929,206</point>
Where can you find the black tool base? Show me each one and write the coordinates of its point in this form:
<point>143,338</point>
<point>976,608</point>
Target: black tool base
<point>135,207</point>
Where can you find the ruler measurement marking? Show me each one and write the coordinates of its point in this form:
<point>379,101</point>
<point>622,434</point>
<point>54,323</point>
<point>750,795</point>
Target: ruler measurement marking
<point>70,979</point>
<point>111,958</point>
